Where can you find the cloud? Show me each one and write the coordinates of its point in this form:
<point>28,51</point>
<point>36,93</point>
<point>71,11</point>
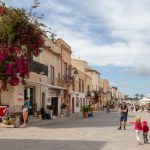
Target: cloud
<point>110,32</point>
<point>140,70</point>
<point>103,32</point>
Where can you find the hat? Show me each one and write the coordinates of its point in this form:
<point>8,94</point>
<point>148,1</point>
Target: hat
<point>144,122</point>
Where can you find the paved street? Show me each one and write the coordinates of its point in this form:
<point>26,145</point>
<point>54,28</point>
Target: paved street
<point>98,133</point>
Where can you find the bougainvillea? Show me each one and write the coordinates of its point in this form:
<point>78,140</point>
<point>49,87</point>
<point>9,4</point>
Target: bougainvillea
<point>20,39</point>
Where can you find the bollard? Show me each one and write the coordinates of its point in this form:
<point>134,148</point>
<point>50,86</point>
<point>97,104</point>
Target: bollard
<point>17,122</point>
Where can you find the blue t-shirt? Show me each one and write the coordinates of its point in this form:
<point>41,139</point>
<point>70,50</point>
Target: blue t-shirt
<point>27,104</point>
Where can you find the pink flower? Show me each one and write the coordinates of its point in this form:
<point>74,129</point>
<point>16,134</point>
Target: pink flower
<point>14,81</point>
<point>2,10</point>
<point>2,56</point>
<point>13,49</point>
<point>9,69</point>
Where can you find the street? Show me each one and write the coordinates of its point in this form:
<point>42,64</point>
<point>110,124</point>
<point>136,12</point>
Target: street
<point>97,133</point>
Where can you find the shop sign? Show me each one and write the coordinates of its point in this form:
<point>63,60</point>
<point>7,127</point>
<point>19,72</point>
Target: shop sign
<point>21,97</point>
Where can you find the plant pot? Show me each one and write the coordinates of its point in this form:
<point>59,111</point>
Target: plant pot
<point>11,121</point>
<point>85,114</point>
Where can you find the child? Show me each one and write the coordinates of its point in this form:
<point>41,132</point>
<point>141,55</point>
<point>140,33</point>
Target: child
<point>138,128</point>
<point>25,115</point>
<point>145,131</point>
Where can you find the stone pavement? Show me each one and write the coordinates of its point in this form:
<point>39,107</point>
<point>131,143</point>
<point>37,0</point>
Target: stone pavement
<point>98,133</point>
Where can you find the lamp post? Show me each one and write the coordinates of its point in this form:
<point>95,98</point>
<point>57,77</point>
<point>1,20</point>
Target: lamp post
<point>76,74</point>
<point>74,78</point>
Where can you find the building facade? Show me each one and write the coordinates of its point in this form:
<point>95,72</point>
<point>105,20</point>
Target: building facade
<point>48,82</point>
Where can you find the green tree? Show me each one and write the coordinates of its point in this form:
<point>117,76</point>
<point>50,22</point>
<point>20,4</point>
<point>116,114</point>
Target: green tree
<point>141,96</point>
<point>136,96</point>
<point>126,97</point>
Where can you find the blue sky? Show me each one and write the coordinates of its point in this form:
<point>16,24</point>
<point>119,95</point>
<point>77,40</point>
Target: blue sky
<point>113,36</point>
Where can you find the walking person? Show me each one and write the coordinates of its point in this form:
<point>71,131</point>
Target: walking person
<point>27,104</point>
<point>123,115</point>
<point>108,109</point>
<point>51,109</point>
<point>145,131</point>
<point>25,115</point>
<point>138,129</point>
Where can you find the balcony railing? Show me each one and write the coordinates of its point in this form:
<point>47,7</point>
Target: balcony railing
<point>39,67</point>
<point>55,81</point>
<point>88,94</point>
<point>60,82</point>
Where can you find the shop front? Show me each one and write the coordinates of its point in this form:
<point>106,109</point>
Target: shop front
<point>54,100</point>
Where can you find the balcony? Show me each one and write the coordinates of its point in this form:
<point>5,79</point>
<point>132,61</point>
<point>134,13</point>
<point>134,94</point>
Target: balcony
<point>88,94</point>
<point>60,82</point>
<point>55,82</point>
<point>68,79</point>
<point>101,91</point>
<point>39,67</point>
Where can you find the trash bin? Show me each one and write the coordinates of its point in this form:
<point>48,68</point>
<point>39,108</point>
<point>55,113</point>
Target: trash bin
<point>17,122</point>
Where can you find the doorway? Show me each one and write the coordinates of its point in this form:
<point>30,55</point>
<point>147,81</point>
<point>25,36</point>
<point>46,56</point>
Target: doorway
<point>43,100</point>
<point>54,103</point>
<point>81,104</point>
<point>72,104</point>
<point>30,92</point>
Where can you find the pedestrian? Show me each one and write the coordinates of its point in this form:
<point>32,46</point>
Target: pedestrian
<point>138,129</point>
<point>51,109</point>
<point>108,109</point>
<point>27,104</point>
<point>25,115</point>
<point>145,131</point>
<point>123,115</point>
<point>43,113</point>
<point>132,108</point>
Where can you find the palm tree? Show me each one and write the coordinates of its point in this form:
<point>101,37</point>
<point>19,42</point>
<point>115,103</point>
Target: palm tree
<point>141,96</point>
<point>136,96</point>
<point>126,97</point>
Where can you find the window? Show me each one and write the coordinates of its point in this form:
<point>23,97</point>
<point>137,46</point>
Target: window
<point>58,76</point>
<point>79,84</point>
<point>77,102</point>
<point>69,71</point>
<point>52,74</point>
<point>73,87</point>
<point>88,88</point>
<point>82,86</point>
<point>65,72</point>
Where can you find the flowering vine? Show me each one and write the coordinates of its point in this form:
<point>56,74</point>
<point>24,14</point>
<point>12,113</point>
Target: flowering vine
<point>21,38</point>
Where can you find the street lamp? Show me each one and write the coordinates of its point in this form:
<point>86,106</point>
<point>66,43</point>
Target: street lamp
<point>76,74</point>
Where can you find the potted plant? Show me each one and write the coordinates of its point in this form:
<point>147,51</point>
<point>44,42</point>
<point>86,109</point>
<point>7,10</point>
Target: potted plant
<point>85,110</point>
<point>63,108</point>
<point>12,119</point>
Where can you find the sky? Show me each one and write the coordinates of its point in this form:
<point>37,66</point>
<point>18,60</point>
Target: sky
<point>112,35</point>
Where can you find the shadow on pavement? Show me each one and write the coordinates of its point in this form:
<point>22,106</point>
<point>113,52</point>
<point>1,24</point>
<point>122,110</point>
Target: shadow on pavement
<point>99,120</point>
<point>29,144</point>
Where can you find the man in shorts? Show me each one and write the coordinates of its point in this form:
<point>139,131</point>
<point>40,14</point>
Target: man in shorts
<point>123,115</point>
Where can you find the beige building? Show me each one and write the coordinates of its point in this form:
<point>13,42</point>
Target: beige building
<point>95,80</point>
<point>115,93</point>
<point>66,71</point>
<point>101,92</point>
<point>80,91</point>
<point>48,83</point>
<point>106,91</point>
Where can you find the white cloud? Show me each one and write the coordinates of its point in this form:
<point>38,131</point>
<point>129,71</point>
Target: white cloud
<point>103,32</point>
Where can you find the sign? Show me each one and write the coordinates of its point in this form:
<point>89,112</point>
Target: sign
<point>21,97</point>
<point>2,111</point>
